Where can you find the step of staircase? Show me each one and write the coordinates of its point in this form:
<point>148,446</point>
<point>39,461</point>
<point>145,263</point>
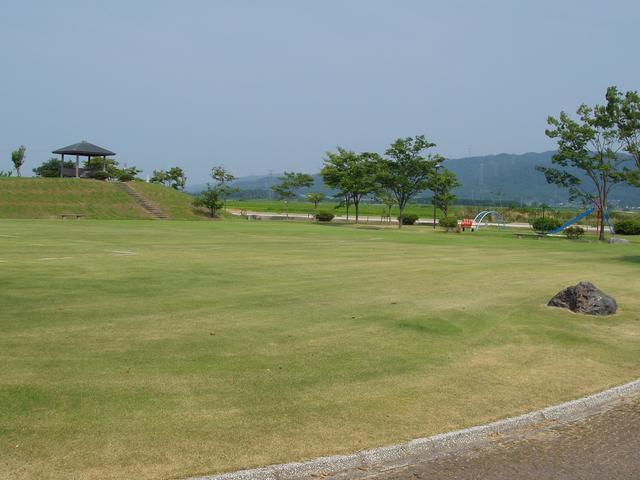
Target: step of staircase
<point>150,207</point>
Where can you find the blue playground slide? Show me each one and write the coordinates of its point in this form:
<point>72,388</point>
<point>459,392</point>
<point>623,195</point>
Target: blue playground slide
<point>573,220</point>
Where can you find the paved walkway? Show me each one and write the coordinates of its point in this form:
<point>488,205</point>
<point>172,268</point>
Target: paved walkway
<point>364,219</point>
<point>603,446</point>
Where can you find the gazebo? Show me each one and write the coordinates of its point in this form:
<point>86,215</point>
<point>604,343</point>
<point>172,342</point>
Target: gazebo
<point>81,149</point>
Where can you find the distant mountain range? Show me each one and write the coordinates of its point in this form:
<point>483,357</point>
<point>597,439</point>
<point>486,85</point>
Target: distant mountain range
<point>495,179</point>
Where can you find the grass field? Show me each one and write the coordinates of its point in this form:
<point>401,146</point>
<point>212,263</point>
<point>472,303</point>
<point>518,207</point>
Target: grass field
<point>137,349</point>
<point>50,197</point>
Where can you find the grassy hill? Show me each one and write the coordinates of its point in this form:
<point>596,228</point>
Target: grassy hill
<point>51,197</point>
<point>177,204</point>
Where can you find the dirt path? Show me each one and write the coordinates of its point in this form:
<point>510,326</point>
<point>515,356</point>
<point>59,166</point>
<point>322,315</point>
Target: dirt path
<point>603,446</point>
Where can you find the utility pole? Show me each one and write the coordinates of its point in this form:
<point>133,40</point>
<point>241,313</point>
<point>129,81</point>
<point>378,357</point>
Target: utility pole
<point>268,184</point>
<point>435,195</point>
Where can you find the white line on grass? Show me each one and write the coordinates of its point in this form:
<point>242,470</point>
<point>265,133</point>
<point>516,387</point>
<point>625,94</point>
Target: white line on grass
<point>122,253</point>
<point>55,258</point>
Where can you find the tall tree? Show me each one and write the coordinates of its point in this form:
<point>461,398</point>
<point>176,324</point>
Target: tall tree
<point>442,185</point>
<point>178,178</point>
<point>223,177</point>
<point>624,110</point>
<point>209,199</point>
<point>289,184</point>
<point>406,171</point>
<point>589,144</point>
<point>352,173</point>
<point>17,157</point>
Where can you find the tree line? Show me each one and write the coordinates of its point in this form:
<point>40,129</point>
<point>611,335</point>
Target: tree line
<point>403,171</point>
<point>395,178</point>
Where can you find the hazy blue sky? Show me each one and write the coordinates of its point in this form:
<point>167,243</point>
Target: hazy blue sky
<point>274,84</point>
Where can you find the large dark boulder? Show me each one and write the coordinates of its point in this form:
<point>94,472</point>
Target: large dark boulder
<point>585,298</point>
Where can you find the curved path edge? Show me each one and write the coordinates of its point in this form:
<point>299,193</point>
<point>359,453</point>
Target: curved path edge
<point>427,448</point>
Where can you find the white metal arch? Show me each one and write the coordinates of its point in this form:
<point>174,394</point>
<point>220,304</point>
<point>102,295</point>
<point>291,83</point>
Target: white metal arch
<point>488,213</point>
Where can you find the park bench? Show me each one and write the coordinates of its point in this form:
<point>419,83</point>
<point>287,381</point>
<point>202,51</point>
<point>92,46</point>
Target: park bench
<point>467,223</point>
<point>76,216</point>
<point>250,216</point>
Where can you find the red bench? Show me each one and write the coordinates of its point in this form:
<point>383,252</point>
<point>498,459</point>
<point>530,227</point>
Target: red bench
<point>467,223</point>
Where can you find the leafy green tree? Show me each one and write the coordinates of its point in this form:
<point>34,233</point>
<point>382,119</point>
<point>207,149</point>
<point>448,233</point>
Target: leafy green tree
<point>223,177</point>
<point>51,168</point>
<point>17,157</point>
<point>128,174</point>
<point>7,173</point>
<point>624,110</point>
<point>388,200</point>
<point>442,185</point>
<point>159,176</point>
<point>289,184</point>
<point>352,173</point>
<point>591,145</point>
<point>105,164</point>
<point>209,199</point>
<point>174,178</point>
<point>315,198</point>
<point>405,171</point>
<point>177,177</point>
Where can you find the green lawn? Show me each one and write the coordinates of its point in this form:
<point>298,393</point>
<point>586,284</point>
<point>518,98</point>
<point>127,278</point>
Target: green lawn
<point>51,197</point>
<point>138,349</point>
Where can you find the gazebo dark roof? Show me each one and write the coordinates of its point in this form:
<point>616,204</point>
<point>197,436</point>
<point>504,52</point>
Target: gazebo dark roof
<point>84,149</point>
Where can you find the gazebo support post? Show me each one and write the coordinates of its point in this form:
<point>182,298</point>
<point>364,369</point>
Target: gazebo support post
<point>77,166</point>
<point>62,166</point>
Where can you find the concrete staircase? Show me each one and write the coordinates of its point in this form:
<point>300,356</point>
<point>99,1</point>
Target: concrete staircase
<point>150,207</point>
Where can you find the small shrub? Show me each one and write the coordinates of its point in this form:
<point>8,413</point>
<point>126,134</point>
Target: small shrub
<point>126,177</point>
<point>545,224</point>
<point>324,216</point>
<point>448,223</point>
<point>574,232</point>
<point>409,219</point>
<point>100,175</point>
<point>627,226</point>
